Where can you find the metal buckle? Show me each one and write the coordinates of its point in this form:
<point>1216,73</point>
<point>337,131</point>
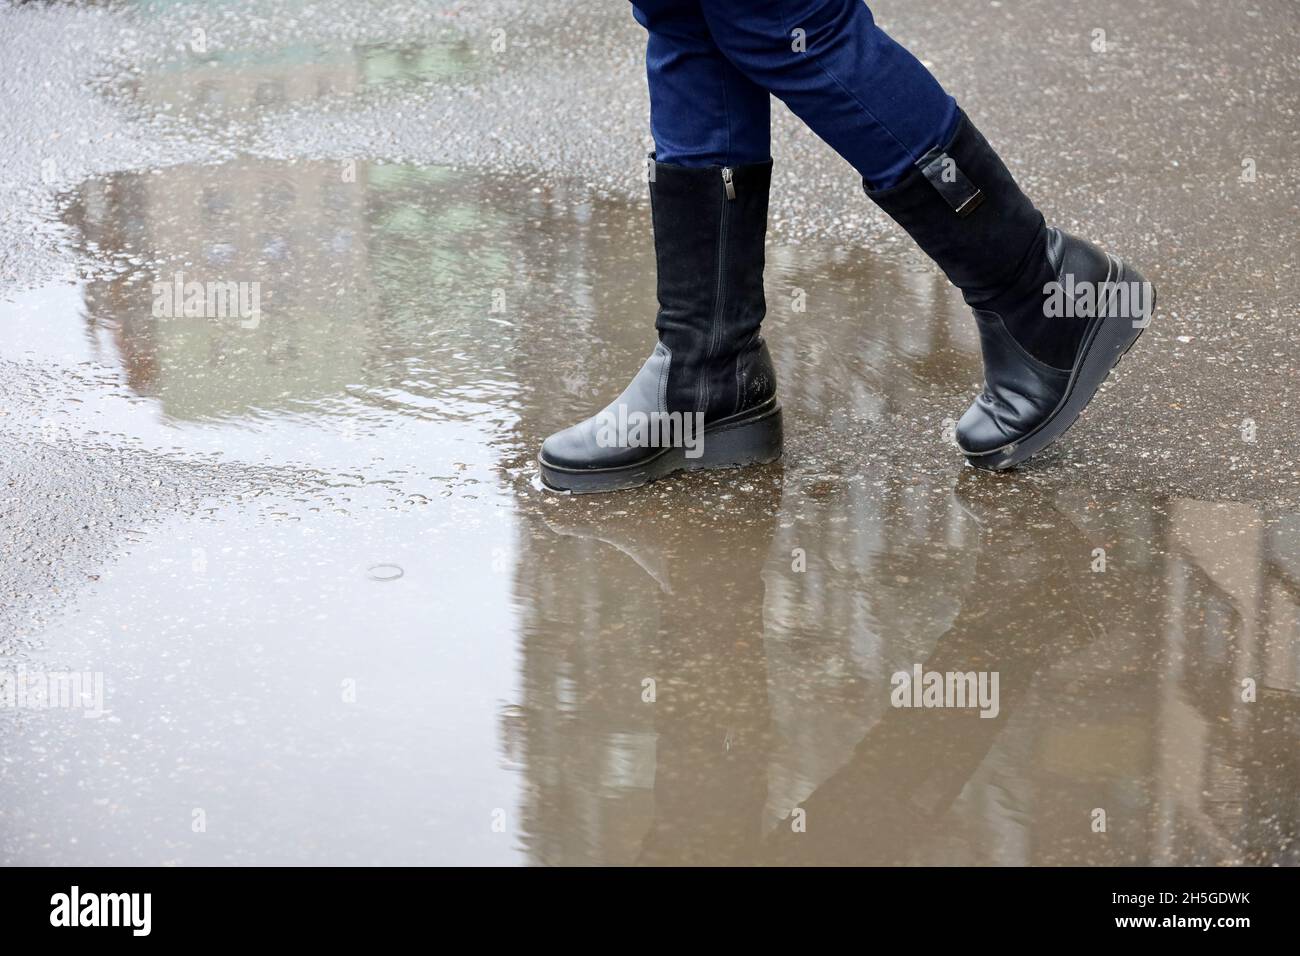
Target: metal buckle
<point>951,183</point>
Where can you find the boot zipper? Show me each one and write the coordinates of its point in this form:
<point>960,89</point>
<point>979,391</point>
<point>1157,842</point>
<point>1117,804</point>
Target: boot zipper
<point>720,292</point>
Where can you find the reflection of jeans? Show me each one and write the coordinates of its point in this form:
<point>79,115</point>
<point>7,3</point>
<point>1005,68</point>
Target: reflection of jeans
<point>712,64</point>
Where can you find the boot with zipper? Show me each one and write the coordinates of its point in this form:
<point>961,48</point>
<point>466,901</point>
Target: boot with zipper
<point>706,396</point>
<point>1055,313</point>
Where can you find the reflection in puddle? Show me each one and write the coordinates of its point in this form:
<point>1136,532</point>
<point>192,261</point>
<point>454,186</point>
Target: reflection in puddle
<point>675,675</point>
<point>1119,690</point>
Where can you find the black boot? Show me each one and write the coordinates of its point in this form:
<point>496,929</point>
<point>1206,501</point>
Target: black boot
<point>1055,313</point>
<point>706,397</point>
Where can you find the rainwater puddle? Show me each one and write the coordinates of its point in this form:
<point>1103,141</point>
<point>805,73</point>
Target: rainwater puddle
<point>452,666</point>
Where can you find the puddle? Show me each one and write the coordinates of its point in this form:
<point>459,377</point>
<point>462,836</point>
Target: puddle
<point>452,666</point>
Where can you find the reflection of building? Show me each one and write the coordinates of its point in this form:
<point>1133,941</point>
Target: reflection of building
<point>1233,622</point>
<point>376,286</point>
<point>298,230</point>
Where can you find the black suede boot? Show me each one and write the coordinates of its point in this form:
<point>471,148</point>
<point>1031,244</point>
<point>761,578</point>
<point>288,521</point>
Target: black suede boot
<point>1055,313</point>
<point>706,397</point>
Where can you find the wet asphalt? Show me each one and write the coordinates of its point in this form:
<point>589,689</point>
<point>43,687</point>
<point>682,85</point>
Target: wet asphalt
<point>241,526</point>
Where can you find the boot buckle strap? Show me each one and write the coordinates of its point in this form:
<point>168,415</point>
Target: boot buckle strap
<point>951,183</point>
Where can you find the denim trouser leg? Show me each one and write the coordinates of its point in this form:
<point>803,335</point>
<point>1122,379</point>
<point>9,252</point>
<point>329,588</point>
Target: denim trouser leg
<point>856,88</point>
<point>703,110</point>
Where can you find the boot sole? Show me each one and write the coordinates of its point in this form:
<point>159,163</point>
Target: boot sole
<point>1105,344</point>
<point>753,437</point>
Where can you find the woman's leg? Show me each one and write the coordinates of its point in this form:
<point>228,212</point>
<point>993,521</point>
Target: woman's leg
<point>870,99</point>
<point>928,167</point>
<point>708,391</point>
<point>703,111</point>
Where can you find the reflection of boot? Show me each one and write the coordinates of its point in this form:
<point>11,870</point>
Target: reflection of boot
<point>711,367</point>
<point>711,710</point>
<point>912,765</point>
<point>712,715</point>
<point>1044,356</point>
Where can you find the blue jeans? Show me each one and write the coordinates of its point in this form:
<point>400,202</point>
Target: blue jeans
<point>712,64</point>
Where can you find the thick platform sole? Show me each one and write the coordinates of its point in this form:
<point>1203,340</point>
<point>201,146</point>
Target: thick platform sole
<point>1105,343</point>
<point>753,437</point>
